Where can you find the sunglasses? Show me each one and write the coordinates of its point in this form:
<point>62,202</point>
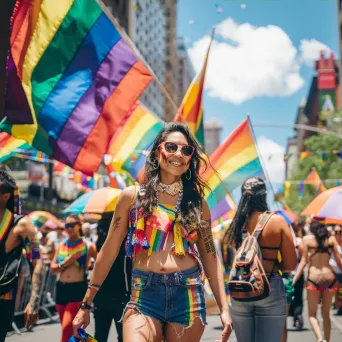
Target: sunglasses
<point>338,232</point>
<point>70,225</point>
<point>173,148</point>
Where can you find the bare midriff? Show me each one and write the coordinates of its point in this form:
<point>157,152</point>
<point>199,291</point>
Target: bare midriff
<point>72,274</point>
<point>164,261</point>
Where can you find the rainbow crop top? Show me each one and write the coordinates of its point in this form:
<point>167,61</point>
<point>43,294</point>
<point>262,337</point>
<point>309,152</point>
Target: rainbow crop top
<point>151,234</point>
<point>67,248</point>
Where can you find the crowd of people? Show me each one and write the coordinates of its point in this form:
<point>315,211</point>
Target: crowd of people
<point>158,244</point>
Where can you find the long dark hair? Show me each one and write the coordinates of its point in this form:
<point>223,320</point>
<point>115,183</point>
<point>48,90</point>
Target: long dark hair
<point>253,198</point>
<point>320,231</point>
<point>193,188</point>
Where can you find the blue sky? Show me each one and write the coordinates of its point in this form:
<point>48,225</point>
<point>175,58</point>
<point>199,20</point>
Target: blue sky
<point>299,19</point>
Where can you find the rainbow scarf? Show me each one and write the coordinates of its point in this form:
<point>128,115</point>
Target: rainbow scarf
<point>68,248</point>
<point>5,224</point>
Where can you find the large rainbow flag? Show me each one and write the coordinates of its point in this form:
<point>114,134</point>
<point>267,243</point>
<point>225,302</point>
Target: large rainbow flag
<point>191,110</point>
<point>129,149</point>
<point>10,146</point>
<point>71,79</point>
<point>235,160</point>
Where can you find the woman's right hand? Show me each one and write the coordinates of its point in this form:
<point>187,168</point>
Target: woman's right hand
<point>81,320</point>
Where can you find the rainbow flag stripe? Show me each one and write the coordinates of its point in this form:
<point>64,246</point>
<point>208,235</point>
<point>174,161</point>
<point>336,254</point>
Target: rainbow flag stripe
<point>10,146</point>
<point>130,148</point>
<point>71,79</point>
<point>235,160</point>
<point>5,224</point>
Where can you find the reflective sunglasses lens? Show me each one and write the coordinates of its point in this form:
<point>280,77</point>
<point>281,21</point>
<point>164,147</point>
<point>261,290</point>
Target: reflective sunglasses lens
<point>171,147</point>
<point>187,150</point>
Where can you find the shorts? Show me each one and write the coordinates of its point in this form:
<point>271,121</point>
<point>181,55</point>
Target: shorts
<point>170,298</point>
<point>70,292</point>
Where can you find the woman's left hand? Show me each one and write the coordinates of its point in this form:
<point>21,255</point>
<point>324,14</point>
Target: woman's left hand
<point>227,326</point>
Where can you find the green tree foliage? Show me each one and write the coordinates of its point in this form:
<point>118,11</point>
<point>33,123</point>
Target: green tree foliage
<point>329,168</point>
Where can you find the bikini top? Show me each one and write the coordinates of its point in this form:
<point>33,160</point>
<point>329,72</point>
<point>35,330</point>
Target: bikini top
<point>67,248</point>
<point>151,234</point>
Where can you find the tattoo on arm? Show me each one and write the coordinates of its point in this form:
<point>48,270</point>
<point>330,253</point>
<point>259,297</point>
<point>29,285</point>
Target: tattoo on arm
<point>207,237</point>
<point>116,224</point>
<point>37,280</point>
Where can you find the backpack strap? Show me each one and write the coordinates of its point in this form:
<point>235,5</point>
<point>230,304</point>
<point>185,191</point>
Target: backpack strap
<point>262,223</point>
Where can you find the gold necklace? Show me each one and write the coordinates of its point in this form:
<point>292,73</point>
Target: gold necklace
<point>172,189</point>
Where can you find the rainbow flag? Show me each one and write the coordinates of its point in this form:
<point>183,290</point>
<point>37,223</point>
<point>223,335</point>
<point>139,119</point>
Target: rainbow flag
<point>129,149</point>
<point>191,110</point>
<point>71,79</point>
<point>304,155</point>
<point>10,146</point>
<point>314,179</point>
<point>235,160</point>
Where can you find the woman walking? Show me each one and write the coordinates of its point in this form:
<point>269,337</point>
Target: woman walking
<point>262,320</point>
<point>165,219</point>
<point>71,262</point>
<point>321,281</point>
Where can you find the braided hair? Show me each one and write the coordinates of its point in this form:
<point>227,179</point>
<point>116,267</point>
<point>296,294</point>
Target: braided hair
<point>8,185</point>
<point>253,199</point>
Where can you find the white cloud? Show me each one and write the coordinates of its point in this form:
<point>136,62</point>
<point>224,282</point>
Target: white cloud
<point>248,62</point>
<point>273,159</point>
<point>310,50</point>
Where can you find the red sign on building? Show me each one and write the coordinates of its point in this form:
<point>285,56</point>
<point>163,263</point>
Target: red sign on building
<point>326,80</point>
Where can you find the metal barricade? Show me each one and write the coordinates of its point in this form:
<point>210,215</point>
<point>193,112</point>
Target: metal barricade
<point>46,297</point>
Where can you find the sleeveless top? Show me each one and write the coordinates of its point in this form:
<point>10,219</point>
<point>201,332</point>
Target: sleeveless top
<point>67,248</point>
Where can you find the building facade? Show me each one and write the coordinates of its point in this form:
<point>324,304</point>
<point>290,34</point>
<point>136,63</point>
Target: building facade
<point>185,72</point>
<point>318,109</point>
<point>212,136</point>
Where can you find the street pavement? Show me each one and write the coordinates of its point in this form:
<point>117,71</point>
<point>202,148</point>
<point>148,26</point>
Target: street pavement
<point>51,332</point>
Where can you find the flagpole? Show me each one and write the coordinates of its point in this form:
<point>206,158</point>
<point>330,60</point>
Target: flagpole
<point>137,53</point>
<point>259,154</point>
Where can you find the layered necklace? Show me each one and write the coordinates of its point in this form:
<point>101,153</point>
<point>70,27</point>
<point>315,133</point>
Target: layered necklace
<point>172,189</point>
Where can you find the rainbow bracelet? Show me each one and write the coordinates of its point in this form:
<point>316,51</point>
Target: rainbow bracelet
<point>94,287</point>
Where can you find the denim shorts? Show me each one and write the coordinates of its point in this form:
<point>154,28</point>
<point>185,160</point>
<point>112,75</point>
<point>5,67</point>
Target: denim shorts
<point>262,320</point>
<point>170,298</point>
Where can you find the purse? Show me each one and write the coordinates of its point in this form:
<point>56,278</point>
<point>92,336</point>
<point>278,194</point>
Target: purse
<point>9,272</point>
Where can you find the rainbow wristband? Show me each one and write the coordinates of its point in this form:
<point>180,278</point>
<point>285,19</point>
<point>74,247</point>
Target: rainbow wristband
<point>94,287</point>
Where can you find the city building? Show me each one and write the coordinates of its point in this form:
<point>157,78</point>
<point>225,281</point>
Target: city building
<point>339,29</point>
<point>185,71</point>
<point>319,107</point>
<point>212,136</point>
<point>122,11</point>
<point>294,143</point>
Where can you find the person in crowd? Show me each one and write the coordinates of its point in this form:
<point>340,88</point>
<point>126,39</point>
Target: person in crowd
<point>114,293</point>
<point>262,320</point>
<point>57,235</point>
<point>71,262</point>
<point>47,246</point>
<point>296,307</point>
<point>321,279</point>
<point>16,232</point>
<point>88,232</point>
<point>338,272</point>
<point>164,219</point>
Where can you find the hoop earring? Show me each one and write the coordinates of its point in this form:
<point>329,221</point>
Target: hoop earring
<point>186,175</point>
<point>156,167</point>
